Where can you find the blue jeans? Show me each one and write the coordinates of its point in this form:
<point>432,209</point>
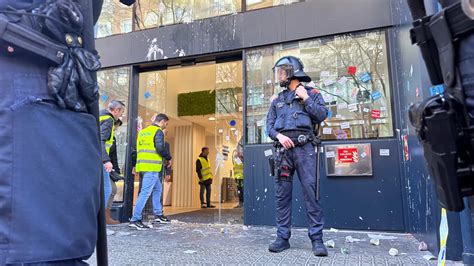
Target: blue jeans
<point>151,183</point>
<point>107,187</point>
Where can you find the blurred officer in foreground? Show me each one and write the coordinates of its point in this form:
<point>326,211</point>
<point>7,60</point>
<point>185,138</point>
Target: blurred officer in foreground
<point>50,168</point>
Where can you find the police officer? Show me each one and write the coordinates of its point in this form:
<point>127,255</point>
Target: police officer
<point>290,122</point>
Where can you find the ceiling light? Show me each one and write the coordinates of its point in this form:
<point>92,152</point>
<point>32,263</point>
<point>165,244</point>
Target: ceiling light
<point>212,119</point>
<point>232,128</point>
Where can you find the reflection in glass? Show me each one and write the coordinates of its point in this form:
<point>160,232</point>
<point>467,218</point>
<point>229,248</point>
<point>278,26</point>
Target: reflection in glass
<point>114,85</point>
<point>155,13</point>
<point>256,4</point>
<point>151,101</point>
<point>152,96</point>
<point>228,132</point>
<point>115,18</point>
<point>349,70</point>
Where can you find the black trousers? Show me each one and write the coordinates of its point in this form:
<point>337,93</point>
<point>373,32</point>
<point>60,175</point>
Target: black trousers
<point>240,189</point>
<point>205,185</point>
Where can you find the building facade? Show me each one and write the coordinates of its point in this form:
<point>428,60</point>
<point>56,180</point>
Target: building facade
<point>208,64</point>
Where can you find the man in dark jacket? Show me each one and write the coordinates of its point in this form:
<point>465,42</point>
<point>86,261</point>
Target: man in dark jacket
<point>107,120</point>
<point>116,172</point>
<point>203,170</point>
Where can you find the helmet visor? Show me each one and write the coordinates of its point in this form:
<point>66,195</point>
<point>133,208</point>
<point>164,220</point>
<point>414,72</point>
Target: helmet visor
<point>283,74</point>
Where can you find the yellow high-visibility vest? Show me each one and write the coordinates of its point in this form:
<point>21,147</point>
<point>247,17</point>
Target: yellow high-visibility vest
<point>206,169</point>
<point>238,171</point>
<point>148,160</point>
<point>110,141</point>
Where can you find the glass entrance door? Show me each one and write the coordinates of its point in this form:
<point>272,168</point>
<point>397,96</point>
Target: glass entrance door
<point>204,104</point>
<point>228,142</point>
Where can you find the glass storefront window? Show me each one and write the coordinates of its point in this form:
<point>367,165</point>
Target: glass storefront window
<point>155,13</point>
<point>256,4</point>
<point>115,18</point>
<point>350,71</point>
<point>114,85</point>
<point>152,97</point>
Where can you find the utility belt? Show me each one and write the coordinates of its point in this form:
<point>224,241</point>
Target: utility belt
<point>54,31</point>
<point>441,121</point>
<point>299,138</point>
<point>280,168</point>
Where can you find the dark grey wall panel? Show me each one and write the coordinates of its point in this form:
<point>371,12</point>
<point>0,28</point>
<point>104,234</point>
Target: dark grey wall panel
<point>259,187</point>
<point>244,30</point>
<point>366,203</point>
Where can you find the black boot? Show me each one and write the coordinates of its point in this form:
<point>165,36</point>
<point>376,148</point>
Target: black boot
<point>319,249</point>
<point>279,245</point>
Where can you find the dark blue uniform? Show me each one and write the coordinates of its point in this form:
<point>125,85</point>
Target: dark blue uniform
<point>49,166</point>
<point>293,117</point>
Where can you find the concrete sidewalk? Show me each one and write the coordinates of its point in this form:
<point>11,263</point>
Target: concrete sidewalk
<point>191,243</point>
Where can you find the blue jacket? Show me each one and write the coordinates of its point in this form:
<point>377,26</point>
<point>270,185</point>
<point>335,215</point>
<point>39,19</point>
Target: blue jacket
<point>287,113</point>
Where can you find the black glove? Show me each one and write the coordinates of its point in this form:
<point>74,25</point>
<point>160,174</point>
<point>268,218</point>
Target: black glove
<point>71,83</point>
<point>116,176</point>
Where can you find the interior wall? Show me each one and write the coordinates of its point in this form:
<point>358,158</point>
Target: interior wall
<point>199,140</point>
<point>182,194</point>
<point>168,186</point>
<point>188,79</point>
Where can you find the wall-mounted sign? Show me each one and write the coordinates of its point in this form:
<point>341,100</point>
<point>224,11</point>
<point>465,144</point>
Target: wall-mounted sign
<point>225,152</point>
<point>376,95</point>
<point>347,155</point>
<point>351,70</point>
<point>375,114</point>
<point>349,160</point>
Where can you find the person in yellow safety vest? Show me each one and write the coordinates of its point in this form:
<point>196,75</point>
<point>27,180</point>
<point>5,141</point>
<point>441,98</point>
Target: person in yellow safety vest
<point>238,166</point>
<point>107,119</point>
<point>203,170</point>
<point>151,153</point>
<point>115,175</point>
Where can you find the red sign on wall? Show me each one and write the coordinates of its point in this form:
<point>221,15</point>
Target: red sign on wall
<point>347,155</point>
<point>351,70</point>
<point>375,113</point>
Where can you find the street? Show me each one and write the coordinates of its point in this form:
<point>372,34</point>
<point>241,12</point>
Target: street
<point>193,243</point>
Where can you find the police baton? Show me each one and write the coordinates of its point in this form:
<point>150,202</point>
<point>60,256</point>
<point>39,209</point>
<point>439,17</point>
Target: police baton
<point>318,158</point>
